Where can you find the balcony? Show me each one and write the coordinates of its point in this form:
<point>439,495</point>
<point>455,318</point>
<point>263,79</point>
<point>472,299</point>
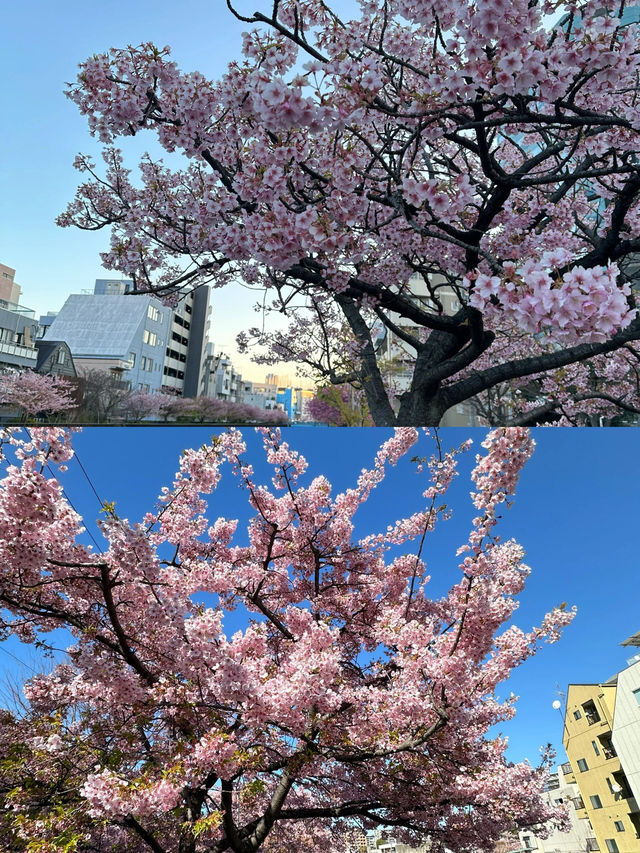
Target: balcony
<point>17,309</point>
<point>19,351</point>
<point>592,844</point>
<point>591,712</point>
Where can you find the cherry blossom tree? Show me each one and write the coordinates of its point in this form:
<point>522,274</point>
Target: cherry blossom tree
<point>366,171</point>
<point>339,406</point>
<point>36,393</point>
<point>349,696</point>
<point>139,405</point>
<point>602,389</point>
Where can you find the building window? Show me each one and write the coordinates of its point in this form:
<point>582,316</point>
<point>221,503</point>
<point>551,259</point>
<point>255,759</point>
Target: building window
<point>612,847</point>
<point>528,844</point>
<point>132,359</point>
<point>621,785</point>
<point>591,712</point>
<point>149,365</point>
<point>152,312</point>
<point>596,802</point>
<point>577,715</point>
<point>619,825</point>
<point>636,693</point>
<point>62,356</point>
<point>595,747</point>
<point>582,765</point>
<point>607,746</point>
<point>149,338</point>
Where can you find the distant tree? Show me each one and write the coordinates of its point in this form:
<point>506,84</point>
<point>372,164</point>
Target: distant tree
<point>339,406</point>
<point>138,405</point>
<point>104,396</point>
<point>35,393</point>
<point>229,692</point>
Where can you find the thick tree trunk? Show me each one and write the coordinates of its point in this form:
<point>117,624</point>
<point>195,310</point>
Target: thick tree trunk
<point>424,407</point>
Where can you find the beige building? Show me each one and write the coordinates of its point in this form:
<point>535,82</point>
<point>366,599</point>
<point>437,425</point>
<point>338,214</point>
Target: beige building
<point>10,292</point>
<point>594,721</point>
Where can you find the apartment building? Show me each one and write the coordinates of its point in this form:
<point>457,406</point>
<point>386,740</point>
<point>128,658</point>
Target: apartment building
<point>626,723</point>
<point>117,333</point>
<point>146,344</point>
<point>260,394</point>
<point>185,358</point>
<point>18,327</point>
<point>599,716</point>
<point>10,290</point>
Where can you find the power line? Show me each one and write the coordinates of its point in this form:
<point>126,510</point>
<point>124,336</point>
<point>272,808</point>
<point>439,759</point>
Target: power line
<point>20,661</point>
<point>88,478</point>
<point>68,499</point>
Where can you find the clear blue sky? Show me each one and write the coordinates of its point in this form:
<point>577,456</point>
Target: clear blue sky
<point>575,513</point>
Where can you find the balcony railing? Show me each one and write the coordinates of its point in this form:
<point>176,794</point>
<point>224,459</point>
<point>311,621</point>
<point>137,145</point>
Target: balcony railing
<point>18,350</point>
<point>592,844</point>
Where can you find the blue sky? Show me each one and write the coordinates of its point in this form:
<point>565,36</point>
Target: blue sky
<point>575,513</point>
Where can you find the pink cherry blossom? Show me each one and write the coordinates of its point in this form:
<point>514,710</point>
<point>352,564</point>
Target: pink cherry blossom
<point>219,678</point>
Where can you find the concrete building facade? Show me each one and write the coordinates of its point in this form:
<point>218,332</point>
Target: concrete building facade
<point>626,725</point>
<point>18,328</point>
<point>149,346</point>
<point>120,334</point>
<point>225,382</point>
<point>10,291</point>
<point>594,721</point>
<point>186,353</point>
<point>260,394</point>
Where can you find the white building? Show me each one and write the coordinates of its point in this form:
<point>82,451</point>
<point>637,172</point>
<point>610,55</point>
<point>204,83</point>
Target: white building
<point>625,732</point>
<point>561,790</point>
